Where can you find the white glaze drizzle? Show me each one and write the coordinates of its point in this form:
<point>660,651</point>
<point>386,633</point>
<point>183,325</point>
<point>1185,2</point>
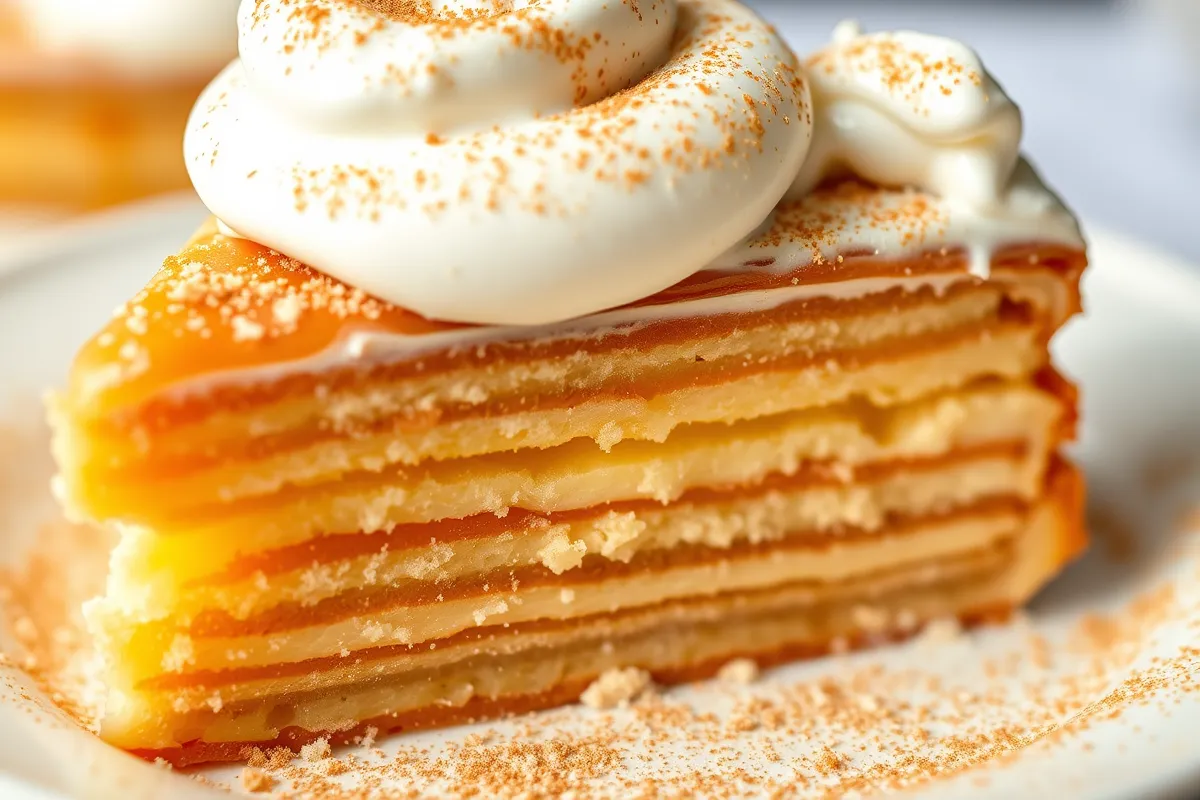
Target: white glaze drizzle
<point>365,349</point>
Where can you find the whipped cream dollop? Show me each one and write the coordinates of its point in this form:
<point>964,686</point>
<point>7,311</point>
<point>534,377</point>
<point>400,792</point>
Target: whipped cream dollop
<point>908,109</point>
<point>501,161</point>
<point>525,162</point>
<point>146,38</point>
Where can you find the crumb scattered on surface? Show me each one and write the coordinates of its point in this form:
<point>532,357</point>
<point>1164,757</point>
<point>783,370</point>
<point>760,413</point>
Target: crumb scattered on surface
<point>941,631</point>
<point>255,780</point>
<point>616,687</point>
<point>741,670</point>
<point>315,751</point>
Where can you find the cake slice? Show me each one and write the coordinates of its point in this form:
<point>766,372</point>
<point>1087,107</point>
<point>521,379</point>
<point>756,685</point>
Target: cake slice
<point>335,514</point>
<point>699,398</point>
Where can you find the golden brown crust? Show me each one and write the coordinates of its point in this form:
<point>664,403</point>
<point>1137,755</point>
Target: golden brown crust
<point>227,304</point>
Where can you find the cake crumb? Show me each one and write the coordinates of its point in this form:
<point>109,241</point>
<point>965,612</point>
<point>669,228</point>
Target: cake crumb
<point>941,631</point>
<point>246,329</point>
<point>560,554</point>
<point>871,619</point>
<point>369,735</point>
<point>316,751</point>
<point>494,608</point>
<point>616,688</point>
<point>741,670</point>
<point>255,780</point>
<point>179,655</point>
<point>162,763</point>
<point>907,620</point>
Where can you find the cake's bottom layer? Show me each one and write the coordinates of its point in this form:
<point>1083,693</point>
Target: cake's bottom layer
<point>674,642</point>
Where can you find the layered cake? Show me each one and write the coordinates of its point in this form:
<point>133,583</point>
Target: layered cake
<point>529,344</point>
<point>95,94</point>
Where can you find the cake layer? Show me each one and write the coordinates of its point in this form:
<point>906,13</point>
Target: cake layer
<point>815,504</point>
<point>493,668</point>
<point>110,144</point>
<point>768,345</point>
<point>189,541</point>
<point>227,313</point>
<point>380,425</point>
<point>431,611</point>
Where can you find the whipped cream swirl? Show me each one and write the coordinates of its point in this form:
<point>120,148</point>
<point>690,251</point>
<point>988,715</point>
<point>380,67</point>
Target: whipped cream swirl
<point>501,161</point>
<point>152,39</point>
<point>909,109</point>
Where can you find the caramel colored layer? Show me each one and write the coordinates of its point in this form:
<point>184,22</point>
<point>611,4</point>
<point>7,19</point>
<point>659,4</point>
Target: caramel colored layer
<point>196,311</point>
<point>250,421</point>
<point>96,484</point>
<point>145,650</point>
<point>710,517</point>
<point>531,658</point>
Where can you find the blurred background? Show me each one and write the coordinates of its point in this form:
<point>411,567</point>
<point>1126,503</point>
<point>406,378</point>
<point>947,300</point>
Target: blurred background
<point>1110,91</point>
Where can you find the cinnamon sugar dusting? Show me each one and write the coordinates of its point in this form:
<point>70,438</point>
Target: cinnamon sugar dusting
<point>594,138</point>
<point>905,72</point>
<point>212,290</point>
<point>524,26</point>
<point>851,211</point>
<point>417,11</point>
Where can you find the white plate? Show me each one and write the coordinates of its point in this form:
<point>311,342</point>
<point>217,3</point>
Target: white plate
<point>1137,355</point>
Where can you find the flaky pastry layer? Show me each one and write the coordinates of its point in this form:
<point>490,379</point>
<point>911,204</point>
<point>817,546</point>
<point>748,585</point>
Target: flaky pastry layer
<point>495,669</point>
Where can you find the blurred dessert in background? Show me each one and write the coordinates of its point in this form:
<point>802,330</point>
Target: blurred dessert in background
<point>94,95</point>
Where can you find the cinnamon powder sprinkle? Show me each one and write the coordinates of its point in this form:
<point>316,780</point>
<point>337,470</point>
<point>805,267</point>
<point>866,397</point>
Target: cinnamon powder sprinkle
<point>903,71</point>
<point>833,215</point>
<point>595,138</point>
<point>246,300</point>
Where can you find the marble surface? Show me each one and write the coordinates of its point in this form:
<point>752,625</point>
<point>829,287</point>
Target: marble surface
<point>1110,95</point>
